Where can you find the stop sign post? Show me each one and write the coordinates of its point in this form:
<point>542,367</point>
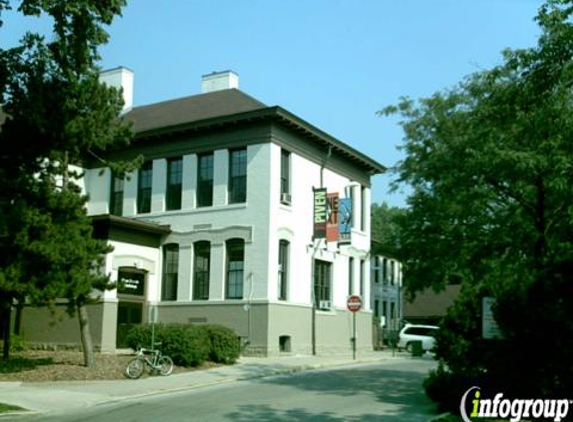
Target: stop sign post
<point>354,304</point>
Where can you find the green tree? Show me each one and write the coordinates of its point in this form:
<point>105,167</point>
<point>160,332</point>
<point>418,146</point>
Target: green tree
<point>56,113</point>
<point>386,229</point>
<point>490,162</point>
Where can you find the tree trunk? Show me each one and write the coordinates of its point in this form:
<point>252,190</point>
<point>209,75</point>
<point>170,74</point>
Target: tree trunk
<point>6,312</point>
<point>86,337</point>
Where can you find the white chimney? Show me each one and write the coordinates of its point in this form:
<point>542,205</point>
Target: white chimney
<point>218,81</point>
<point>120,77</point>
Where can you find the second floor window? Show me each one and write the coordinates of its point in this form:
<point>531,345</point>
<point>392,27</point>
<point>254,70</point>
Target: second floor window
<point>144,180</point>
<point>285,177</point>
<point>362,276</point>
<point>174,180</point>
<point>238,176</point>
<point>170,271</point>
<point>201,270</point>
<point>350,276</point>
<point>205,180</point>
<point>235,268</point>
<point>116,196</point>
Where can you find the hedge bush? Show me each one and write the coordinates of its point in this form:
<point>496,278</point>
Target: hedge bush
<point>223,342</point>
<point>189,345</point>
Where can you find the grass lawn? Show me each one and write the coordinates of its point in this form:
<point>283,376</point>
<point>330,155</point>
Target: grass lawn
<point>8,408</point>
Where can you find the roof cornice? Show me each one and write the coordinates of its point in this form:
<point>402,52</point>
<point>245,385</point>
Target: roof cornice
<point>276,114</point>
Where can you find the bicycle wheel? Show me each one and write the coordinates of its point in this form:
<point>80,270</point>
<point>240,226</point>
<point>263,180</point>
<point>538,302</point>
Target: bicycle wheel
<point>165,365</point>
<point>135,368</point>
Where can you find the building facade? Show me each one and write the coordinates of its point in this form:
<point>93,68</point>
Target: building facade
<point>386,296</point>
<point>241,214</point>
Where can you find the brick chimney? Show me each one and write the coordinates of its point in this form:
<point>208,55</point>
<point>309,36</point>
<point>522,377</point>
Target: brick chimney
<point>120,78</point>
<point>218,81</point>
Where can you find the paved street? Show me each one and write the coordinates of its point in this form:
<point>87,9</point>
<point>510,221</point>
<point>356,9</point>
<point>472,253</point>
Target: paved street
<point>386,391</point>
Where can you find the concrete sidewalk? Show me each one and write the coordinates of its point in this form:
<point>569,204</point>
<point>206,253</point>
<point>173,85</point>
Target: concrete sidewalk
<point>61,396</point>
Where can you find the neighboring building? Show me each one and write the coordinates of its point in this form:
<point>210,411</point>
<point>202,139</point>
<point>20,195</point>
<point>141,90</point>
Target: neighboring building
<point>386,296</point>
<point>224,223</point>
<point>429,307</point>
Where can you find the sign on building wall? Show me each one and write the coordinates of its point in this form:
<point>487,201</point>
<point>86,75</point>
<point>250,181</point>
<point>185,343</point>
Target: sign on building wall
<point>345,219</point>
<point>332,221</point>
<point>131,283</point>
<point>320,213</point>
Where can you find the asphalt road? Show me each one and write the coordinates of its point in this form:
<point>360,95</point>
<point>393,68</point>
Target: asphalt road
<point>386,392</point>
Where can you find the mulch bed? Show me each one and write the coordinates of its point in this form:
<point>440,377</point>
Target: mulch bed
<point>40,366</point>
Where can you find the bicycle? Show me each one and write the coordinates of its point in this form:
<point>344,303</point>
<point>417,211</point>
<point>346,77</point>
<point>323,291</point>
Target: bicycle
<point>152,360</point>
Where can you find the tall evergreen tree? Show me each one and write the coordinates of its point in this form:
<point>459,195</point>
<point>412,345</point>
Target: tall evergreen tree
<point>56,114</point>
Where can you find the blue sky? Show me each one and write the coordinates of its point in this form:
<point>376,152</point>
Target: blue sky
<point>334,63</point>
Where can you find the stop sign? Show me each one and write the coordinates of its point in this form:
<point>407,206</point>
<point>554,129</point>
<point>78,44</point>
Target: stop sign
<point>354,303</point>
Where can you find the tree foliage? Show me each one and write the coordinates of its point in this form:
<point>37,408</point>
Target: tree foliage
<point>386,229</point>
<point>490,162</point>
<point>56,113</point>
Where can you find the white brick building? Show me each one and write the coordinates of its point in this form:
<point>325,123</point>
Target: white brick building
<point>218,226</point>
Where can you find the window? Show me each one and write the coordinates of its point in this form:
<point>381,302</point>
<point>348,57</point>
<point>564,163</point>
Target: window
<point>145,176</point>
<point>376,308</point>
<point>322,281</point>
<point>392,274</point>
<point>384,309</point>
<point>377,270</point>
<point>283,269</point>
<point>174,180</point>
<point>116,196</point>
<point>205,180</point>
<point>364,208</point>
<point>235,268</point>
<point>285,177</point>
<point>384,271</point>
<point>201,270</point>
<point>362,276</point>
<point>170,269</point>
<point>238,176</point>
<point>350,275</point>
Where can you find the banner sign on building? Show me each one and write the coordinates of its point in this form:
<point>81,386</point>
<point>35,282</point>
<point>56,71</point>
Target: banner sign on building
<point>332,221</point>
<point>345,218</point>
<point>320,213</point>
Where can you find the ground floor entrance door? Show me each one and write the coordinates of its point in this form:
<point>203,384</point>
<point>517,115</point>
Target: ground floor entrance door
<point>128,315</point>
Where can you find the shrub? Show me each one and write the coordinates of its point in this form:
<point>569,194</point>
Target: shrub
<point>17,343</point>
<point>187,345</point>
<point>223,342</point>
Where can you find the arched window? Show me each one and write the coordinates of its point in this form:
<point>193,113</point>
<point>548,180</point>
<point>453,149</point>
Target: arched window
<point>235,268</point>
<point>170,271</point>
<point>283,269</point>
<point>201,265</point>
